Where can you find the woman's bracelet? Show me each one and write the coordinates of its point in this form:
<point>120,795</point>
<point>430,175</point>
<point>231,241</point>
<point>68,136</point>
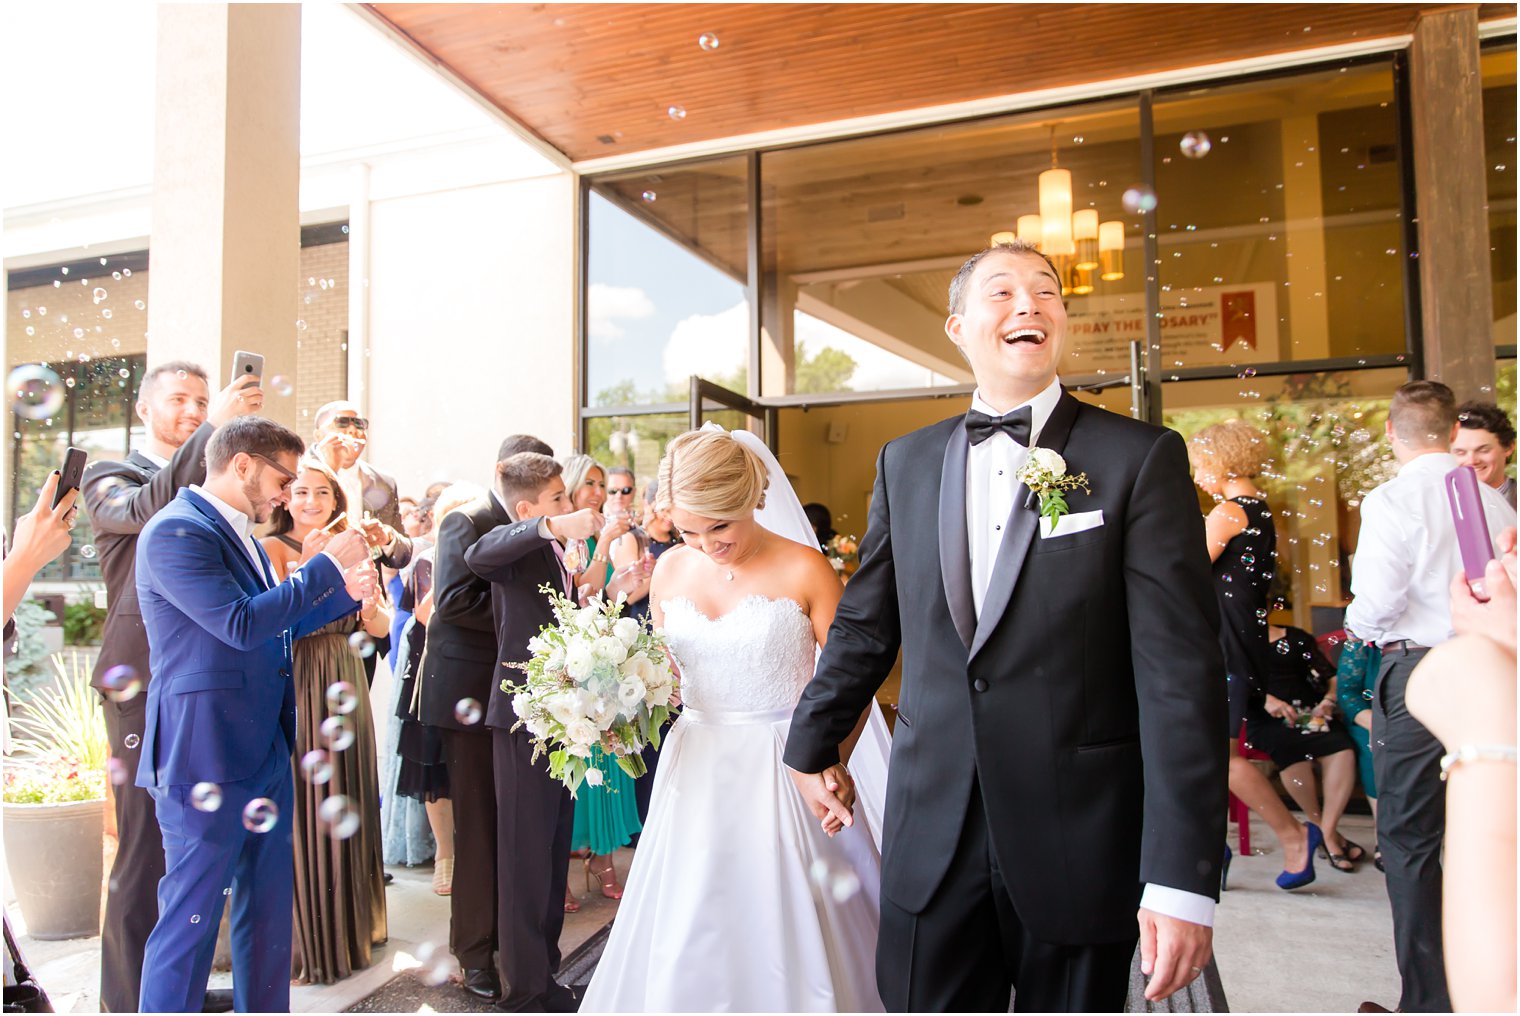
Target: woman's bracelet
<point>1476,753</point>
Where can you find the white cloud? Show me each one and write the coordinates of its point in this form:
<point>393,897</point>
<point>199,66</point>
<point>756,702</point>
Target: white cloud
<point>709,345</point>
<point>875,368</point>
<point>606,305</point>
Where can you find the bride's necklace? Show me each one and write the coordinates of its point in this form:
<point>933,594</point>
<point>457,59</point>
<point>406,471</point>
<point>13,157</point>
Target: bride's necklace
<point>728,573</point>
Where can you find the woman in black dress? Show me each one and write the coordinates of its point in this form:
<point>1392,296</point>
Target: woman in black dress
<point>1299,676</point>
<point>1226,458</point>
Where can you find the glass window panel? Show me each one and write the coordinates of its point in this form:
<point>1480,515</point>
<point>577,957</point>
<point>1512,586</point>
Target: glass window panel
<point>667,271</point>
<point>638,442</point>
<point>1498,67</point>
<point>1283,239</point>
<point>1326,451</point>
<point>861,238</point>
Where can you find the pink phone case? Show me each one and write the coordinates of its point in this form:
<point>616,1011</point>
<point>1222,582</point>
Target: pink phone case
<point>1472,528</point>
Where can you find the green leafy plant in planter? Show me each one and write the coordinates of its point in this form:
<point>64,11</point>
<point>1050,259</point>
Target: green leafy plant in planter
<point>60,748</point>
<point>83,623</point>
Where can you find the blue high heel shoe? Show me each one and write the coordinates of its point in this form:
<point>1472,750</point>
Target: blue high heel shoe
<point>1224,872</point>
<point>1299,879</point>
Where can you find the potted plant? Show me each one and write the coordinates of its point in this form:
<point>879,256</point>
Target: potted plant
<point>54,806</point>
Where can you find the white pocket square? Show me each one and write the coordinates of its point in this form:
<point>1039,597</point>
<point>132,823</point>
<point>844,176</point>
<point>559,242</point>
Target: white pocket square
<point>1078,522</point>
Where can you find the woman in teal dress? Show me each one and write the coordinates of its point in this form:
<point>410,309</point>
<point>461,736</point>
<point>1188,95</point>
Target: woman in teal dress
<point>606,817</point>
<point>1355,676</point>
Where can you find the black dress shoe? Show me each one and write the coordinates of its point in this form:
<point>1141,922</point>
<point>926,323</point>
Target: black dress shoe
<point>389,878</point>
<point>217,1000</point>
<point>561,998</point>
<point>1373,1007</point>
<point>482,983</point>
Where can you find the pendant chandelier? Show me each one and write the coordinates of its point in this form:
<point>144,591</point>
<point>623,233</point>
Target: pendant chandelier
<point>1077,242</point>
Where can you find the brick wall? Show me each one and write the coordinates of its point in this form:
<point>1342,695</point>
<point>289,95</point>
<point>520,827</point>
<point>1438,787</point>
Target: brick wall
<point>322,331</point>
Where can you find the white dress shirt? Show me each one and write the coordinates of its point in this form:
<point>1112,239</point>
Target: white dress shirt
<point>991,489</point>
<point>1407,554</point>
<point>157,460</point>
<point>352,482</point>
<point>243,526</point>
<point>991,492</point>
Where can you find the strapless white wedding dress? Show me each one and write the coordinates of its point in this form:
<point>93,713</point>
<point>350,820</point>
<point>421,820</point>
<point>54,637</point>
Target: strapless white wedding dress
<point>737,901</point>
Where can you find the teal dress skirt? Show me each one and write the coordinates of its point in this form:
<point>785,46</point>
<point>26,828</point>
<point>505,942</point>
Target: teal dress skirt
<point>1355,677</point>
<point>606,817</point>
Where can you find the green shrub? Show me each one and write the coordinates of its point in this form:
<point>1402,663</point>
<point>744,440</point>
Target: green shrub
<point>82,623</point>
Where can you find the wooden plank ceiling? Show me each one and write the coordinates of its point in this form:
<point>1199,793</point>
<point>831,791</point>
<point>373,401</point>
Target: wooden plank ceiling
<point>598,79</point>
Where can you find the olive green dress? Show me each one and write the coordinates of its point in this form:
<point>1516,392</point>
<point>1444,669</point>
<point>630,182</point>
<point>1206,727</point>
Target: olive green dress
<point>340,883</point>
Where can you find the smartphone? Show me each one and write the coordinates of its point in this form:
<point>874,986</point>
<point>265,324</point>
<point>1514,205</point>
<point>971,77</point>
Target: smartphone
<point>246,365</point>
<point>71,474</point>
<point>1466,499</point>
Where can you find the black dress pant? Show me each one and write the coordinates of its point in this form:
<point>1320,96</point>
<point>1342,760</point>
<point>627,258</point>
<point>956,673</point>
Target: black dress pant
<point>534,819</point>
<point>472,907</point>
<point>1411,824</point>
<point>132,893</point>
<point>968,949</point>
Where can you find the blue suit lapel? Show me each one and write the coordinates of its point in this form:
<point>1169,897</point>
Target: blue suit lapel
<point>228,534</point>
<point>1019,531</point>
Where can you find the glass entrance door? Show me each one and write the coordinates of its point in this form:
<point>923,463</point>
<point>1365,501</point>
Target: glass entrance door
<point>729,409</point>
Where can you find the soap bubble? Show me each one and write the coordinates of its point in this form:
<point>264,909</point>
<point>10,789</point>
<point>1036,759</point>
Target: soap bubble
<point>121,683</point>
<point>280,385</point>
<point>131,740</point>
<point>340,817</point>
<point>361,645</point>
<point>206,797</point>
<point>1195,144</point>
<point>35,391</point>
<point>467,711</point>
<point>435,963</point>
<point>342,697</point>
<point>98,294</point>
<point>649,196</point>
<point>338,732</point>
<point>87,552</point>
<point>1138,199</point>
<point>116,771</point>
<point>676,112</point>
<point>708,41</point>
<point>316,766</point>
<point>261,815</point>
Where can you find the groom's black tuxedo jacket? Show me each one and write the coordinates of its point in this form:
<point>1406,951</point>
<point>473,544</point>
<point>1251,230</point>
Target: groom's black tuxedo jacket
<point>1088,701</point>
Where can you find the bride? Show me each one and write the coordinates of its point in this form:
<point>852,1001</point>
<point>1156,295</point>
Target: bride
<point>737,899</point>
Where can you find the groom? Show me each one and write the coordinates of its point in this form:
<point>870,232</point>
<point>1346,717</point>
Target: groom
<point>1058,758</point>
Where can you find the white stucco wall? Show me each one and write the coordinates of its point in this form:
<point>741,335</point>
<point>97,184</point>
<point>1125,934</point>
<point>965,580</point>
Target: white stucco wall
<point>471,314</point>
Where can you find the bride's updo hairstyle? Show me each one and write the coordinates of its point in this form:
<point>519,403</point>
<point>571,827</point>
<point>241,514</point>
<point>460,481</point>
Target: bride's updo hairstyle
<point>708,473</point>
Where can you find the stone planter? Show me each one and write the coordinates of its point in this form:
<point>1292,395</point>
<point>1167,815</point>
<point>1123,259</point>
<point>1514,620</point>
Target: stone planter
<point>54,854</point>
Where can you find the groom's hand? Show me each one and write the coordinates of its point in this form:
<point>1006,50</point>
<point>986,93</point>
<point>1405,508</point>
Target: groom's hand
<point>829,795</point>
<point>1172,952</point>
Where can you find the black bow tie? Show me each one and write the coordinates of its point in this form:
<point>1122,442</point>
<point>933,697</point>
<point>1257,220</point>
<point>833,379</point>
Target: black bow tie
<point>980,426</point>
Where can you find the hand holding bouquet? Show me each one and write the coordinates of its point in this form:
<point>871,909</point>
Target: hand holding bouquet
<point>595,679</point>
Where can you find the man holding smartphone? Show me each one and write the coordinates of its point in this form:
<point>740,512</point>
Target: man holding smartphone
<point>1406,557</point>
<point>180,414</point>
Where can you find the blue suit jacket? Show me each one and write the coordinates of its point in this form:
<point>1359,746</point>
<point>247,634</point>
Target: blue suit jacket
<point>219,643</point>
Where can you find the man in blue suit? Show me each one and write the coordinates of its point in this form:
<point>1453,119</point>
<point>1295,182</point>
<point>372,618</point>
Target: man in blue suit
<point>221,715</point>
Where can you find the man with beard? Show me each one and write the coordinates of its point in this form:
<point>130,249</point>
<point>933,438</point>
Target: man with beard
<point>221,714</point>
<point>180,415</point>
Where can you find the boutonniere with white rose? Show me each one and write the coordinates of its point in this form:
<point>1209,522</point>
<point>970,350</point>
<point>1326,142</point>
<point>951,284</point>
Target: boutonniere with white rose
<point>1045,474</point>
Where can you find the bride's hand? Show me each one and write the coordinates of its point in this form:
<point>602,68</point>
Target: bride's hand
<point>837,780</point>
<point>822,799</point>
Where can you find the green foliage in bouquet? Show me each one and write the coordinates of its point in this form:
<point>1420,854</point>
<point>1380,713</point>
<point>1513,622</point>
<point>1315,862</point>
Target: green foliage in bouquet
<point>594,679</point>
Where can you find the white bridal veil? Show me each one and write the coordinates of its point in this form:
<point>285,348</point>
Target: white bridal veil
<point>783,515</point>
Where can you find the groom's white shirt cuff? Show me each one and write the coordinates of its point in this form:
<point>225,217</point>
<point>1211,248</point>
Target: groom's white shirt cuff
<point>1184,906</point>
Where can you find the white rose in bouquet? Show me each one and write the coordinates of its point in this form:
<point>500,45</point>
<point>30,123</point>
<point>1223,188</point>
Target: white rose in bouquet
<point>586,617</point>
<point>556,660</point>
<point>640,666</point>
<point>579,660</point>
<point>626,629</point>
<point>603,713</point>
<point>537,726</point>
<point>537,645</point>
<point>1048,460</point>
<point>657,691</point>
<point>565,707</point>
<point>630,693</point>
<point>522,704</point>
<point>581,733</point>
<point>610,649</point>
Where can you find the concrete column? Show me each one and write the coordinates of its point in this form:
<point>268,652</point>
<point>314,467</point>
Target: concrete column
<point>1304,226</point>
<point>1451,193</point>
<point>358,290</point>
<point>226,239</point>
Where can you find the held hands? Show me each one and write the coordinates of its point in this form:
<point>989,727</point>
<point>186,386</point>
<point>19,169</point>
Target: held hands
<point>577,525</point>
<point>1172,952</point>
<point>43,533</point>
<point>348,548</point>
<point>376,533</point>
<point>240,398</point>
<point>829,795</point>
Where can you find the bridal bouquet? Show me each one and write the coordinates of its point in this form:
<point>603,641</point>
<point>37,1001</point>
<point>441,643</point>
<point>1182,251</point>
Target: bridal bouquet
<point>596,679</point>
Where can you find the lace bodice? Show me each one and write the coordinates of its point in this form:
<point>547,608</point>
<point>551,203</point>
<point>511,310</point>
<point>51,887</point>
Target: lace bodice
<point>756,657</point>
